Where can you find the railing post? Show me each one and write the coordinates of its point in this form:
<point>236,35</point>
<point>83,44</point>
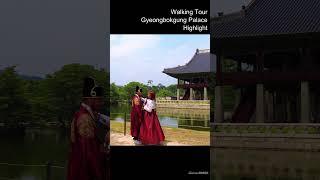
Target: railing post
<point>125,124</point>
<point>49,164</point>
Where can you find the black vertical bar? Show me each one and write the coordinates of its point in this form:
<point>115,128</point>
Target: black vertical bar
<point>125,124</point>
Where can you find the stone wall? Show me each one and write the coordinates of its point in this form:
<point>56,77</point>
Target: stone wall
<point>184,104</point>
<point>258,141</point>
<point>264,164</point>
<point>298,136</point>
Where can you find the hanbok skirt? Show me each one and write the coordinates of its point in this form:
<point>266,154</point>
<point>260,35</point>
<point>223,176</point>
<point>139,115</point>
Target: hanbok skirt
<point>150,131</point>
<point>136,118</point>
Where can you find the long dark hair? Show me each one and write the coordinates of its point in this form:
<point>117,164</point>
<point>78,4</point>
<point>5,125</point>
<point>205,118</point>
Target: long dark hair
<point>152,95</point>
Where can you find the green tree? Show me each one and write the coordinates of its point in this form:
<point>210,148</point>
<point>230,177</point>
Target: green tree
<point>114,93</point>
<point>122,93</point>
<point>130,88</point>
<point>155,89</point>
<point>38,95</point>
<point>14,108</point>
<point>164,93</point>
<point>172,88</point>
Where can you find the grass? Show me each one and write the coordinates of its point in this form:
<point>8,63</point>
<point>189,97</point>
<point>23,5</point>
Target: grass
<point>182,136</point>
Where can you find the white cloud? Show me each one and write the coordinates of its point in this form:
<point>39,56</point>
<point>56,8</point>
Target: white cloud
<point>130,45</point>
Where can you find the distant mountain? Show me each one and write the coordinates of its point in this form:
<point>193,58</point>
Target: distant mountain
<point>27,77</point>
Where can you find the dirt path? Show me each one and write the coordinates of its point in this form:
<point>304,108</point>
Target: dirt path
<point>120,140</point>
<point>174,136</point>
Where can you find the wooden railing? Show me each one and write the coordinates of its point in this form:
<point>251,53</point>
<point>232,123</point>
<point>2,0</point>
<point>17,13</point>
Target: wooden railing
<point>285,129</point>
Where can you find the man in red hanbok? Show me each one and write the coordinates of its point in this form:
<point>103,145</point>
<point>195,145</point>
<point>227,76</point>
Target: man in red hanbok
<point>136,115</point>
<point>89,152</point>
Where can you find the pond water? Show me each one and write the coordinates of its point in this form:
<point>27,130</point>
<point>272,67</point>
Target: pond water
<point>234,164</point>
<point>37,147</point>
<point>169,117</point>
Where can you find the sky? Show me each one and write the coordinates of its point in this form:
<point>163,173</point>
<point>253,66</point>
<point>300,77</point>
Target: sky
<point>40,36</point>
<point>143,57</point>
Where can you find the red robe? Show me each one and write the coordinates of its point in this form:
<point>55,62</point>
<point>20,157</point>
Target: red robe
<point>136,116</point>
<point>151,131</point>
<point>87,161</point>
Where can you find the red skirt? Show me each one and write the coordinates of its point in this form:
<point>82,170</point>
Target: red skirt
<point>136,117</point>
<point>150,130</point>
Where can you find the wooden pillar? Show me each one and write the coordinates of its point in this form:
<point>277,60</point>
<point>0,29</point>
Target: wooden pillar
<point>178,94</point>
<point>267,105</point>
<point>260,104</point>
<point>306,60</point>
<point>237,98</point>
<point>288,107</point>
<point>271,107</point>
<point>191,94</point>
<point>205,93</point>
<point>305,102</point>
<point>178,91</point>
<point>275,107</point>
<point>238,94</point>
<point>260,89</point>
<point>218,101</point>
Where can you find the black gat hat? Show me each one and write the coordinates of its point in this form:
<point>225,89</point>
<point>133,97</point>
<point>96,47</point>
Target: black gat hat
<point>90,89</point>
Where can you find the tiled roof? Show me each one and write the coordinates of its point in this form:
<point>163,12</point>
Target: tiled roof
<point>269,17</point>
<point>200,63</point>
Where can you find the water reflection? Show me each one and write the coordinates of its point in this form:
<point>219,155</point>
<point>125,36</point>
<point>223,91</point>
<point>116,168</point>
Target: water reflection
<point>37,147</point>
<point>234,164</point>
<point>182,118</point>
